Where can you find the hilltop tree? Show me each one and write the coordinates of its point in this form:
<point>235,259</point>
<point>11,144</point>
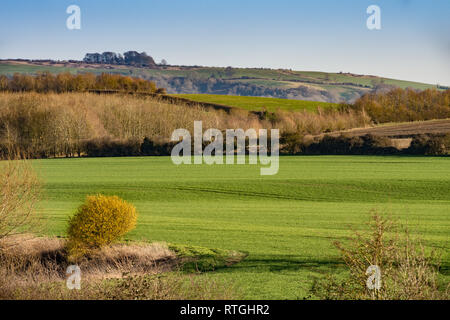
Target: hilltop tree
<point>132,58</point>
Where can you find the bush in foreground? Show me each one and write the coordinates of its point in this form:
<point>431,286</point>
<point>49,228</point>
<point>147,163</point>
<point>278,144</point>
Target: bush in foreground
<point>100,221</point>
<point>407,271</point>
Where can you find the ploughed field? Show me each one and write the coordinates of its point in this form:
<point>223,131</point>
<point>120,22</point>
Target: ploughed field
<point>286,223</point>
<point>403,129</point>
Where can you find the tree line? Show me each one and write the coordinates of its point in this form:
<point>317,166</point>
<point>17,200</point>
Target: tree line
<point>47,125</point>
<point>43,125</point>
<point>47,82</point>
<point>403,105</point>
<point>345,144</point>
<point>130,58</point>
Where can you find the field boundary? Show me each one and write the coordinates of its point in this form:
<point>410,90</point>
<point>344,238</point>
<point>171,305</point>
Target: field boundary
<point>172,99</point>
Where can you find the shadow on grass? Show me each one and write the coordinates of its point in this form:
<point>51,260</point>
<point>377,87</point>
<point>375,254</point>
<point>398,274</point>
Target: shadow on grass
<point>289,263</point>
<point>283,263</point>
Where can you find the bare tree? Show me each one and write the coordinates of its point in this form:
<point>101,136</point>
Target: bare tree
<point>19,194</point>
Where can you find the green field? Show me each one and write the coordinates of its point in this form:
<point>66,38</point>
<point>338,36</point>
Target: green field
<point>258,103</point>
<point>285,222</point>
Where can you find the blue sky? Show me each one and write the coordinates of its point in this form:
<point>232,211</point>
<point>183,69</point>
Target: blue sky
<point>320,35</point>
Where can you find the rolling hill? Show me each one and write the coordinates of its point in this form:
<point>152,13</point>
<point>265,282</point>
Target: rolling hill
<point>279,83</point>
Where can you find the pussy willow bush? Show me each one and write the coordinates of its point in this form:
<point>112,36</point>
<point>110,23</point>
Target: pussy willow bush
<point>100,221</point>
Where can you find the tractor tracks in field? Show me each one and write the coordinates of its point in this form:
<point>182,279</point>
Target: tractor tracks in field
<point>240,193</point>
<point>253,194</point>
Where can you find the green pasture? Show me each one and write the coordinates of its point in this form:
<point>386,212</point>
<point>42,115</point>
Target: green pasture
<point>286,223</point>
<point>258,103</point>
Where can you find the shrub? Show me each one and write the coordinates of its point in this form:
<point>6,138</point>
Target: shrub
<point>100,221</point>
<point>408,272</point>
<point>107,147</point>
<point>292,143</point>
<point>19,194</point>
<point>171,286</point>
<point>402,105</point>
<point>156,147</point>
<point>367,144</point>
<point>432,145</point>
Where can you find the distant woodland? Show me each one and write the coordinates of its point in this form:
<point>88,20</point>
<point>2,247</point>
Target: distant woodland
<point>66,82</point>
<point>129,58</point>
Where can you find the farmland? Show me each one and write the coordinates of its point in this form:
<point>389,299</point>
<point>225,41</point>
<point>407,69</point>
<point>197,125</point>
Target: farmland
<point>404,129</point>
<point>286,223</point>
<point>258,103</point>
<point>419,127</point>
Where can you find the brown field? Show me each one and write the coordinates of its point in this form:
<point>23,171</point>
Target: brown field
<point>402,130</point>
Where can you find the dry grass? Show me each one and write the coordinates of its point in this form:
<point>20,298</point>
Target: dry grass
<point>175,286</point>
<point>26,254</point>
<point>308,123</point>
<point>170,286</point>
<point>35,269</point>
<point>27,261</point>
<point>129,259</point>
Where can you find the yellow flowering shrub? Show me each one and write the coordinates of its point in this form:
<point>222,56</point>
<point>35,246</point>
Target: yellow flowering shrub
<point>100,221</point>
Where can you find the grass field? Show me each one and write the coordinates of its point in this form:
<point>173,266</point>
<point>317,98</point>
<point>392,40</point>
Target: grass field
<point>258,103</point>
<point>285,222</point>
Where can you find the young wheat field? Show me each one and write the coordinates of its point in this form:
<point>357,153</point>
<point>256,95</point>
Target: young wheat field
<point>286,223</point>
<point>258,103</point>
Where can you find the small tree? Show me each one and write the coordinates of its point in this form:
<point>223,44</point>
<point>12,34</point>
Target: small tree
<point>19,194</point>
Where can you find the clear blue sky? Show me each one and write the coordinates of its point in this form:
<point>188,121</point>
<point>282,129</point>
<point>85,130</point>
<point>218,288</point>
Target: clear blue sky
<point>321,35</point>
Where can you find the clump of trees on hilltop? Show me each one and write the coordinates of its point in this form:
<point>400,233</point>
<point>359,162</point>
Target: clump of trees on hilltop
<point>130,58</point>
<point>403,105</point>
<point>47,82</point>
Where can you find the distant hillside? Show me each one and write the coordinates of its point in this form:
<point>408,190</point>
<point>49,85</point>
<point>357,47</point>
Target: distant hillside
<point>280,83</point>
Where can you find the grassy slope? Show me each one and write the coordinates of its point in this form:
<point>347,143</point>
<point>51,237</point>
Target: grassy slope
<point>286,222</point>
<point>258,103</point>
